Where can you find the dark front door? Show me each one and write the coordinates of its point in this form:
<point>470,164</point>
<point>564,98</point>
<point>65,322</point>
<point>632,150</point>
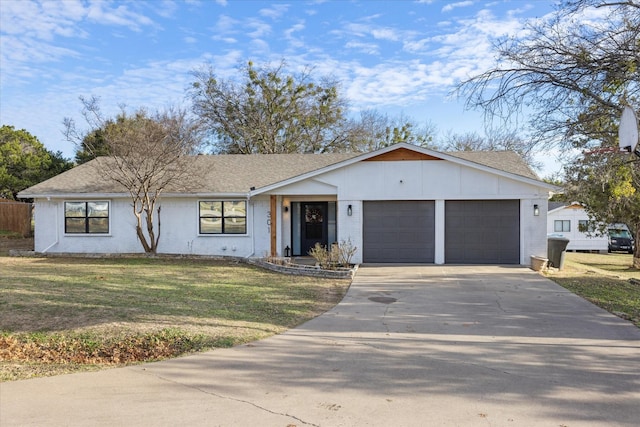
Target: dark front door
<point>314,226</point>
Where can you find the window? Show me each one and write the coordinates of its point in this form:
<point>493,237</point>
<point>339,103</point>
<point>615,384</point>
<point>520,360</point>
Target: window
<point>562,225</point>
<point>586,226</point>
<point>223,217</point>
<point>86,217</point>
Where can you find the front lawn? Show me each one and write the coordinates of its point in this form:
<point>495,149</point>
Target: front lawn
<point>60,315</point>
<point>602,279</point>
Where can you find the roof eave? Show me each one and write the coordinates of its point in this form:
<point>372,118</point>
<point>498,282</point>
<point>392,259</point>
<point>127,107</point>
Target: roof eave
<point>49,195</point>
<point>23,195</point>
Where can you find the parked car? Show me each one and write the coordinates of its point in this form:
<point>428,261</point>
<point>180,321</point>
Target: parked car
<point>620,238</point>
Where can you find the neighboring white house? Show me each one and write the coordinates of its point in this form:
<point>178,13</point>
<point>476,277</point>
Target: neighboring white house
<point>402,204</point>
<point>571,221</point>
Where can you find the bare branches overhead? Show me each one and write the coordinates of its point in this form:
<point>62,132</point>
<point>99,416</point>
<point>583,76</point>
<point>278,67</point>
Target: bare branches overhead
<point>586,59</point>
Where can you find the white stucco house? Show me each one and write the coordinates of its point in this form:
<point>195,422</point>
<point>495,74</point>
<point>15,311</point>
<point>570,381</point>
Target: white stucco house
<point>571,220</point>
<point>400,204</point>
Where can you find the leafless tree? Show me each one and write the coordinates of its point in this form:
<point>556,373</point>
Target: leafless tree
<point>497,140</point>
<point>582,65</point>
<point>374,130</point>
<point>148,155</point>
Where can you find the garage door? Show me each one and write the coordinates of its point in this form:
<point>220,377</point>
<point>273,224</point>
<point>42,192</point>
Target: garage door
<point>482,232</point>
<point>398,231</point>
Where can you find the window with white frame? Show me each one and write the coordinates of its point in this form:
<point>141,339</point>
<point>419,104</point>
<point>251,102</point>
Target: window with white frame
<point>562,225</point>
<point>89,217</point>
<point>222,216</point>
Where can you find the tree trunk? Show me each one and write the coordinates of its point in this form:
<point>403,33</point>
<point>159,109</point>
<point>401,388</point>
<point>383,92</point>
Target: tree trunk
<point>139,230</point>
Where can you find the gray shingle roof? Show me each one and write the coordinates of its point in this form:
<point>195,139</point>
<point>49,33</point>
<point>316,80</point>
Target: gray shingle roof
<point>233,173</point>
<point>216,174</point>
<point>556,205</point>
<point>507,161</point>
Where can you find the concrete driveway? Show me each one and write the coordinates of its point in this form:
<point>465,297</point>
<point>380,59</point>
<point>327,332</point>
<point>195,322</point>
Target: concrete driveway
<point>408,346</point>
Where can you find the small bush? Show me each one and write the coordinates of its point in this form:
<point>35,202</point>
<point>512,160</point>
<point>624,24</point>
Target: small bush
<point>340,255</point>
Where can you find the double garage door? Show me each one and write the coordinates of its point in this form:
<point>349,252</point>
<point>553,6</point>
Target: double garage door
<point>476,231</point>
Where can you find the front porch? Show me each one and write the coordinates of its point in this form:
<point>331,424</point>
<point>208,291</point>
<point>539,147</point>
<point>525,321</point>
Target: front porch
<point>301,223</point>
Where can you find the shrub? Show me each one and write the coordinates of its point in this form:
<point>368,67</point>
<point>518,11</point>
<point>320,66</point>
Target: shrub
<point>340,255</point>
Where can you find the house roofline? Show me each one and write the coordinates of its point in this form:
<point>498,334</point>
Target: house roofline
<point>566,206</point>
<point>405,145</point>
<point>127,195</point>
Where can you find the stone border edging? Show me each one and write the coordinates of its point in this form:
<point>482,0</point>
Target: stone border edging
<point>302,270</point>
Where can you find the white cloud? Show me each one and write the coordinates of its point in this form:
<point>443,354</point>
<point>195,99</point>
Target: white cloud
<point>167,8</point>
<point>121,15</point>
<point>368,48</point>
<point>289,34</point>
<point>449,7</point>
<point>155,85</point>
<point>226,24</point>
<point>275,11</point>
<point>30,31</point>
<point>258,28</point>
<point>259,47</point>
<point>415,46</point>
<point>385,34</point>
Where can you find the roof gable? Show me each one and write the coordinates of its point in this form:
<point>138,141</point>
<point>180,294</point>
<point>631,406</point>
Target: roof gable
<point>401,154</point>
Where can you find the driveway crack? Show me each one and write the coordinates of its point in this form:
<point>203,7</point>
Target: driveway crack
<point>248,402</point>
<point>384,319</point>
<point>498,303</point>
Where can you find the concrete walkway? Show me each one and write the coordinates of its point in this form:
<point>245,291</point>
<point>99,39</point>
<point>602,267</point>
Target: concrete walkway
<point>408,346</point>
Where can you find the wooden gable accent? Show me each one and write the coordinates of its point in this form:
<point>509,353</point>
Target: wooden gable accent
<point>401,154</point>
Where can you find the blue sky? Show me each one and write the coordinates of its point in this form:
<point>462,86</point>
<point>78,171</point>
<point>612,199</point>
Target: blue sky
<point>398,57</point>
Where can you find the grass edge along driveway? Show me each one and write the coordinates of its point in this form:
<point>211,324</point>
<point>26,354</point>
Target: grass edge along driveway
<point>602,279</point>
<point>62,315</point>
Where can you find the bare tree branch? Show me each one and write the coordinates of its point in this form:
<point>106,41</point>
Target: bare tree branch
<point>148,154</point>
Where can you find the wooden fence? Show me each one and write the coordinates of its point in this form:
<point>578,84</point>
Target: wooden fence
<point>15,216</point>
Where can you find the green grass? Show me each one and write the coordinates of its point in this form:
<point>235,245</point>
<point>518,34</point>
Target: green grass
<point>603,279</point>
<point>71,314</point>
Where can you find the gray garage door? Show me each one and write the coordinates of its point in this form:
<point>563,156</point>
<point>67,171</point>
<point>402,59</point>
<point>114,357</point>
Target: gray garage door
<point>398,231</point>
<point>482,232</point>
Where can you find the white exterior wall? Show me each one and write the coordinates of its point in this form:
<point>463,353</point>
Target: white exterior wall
<point>180,234</point>
<point>50,235</point>
<point>578,241</point>
<point>423,180</point>
<point>179,230</point>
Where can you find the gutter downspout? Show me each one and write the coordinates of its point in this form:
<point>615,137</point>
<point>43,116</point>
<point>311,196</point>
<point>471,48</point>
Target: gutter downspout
<point>57,226</point>
<point>253,227</point>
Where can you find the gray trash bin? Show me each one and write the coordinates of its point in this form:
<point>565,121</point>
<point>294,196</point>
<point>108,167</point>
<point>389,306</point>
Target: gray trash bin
<point>556,249</point>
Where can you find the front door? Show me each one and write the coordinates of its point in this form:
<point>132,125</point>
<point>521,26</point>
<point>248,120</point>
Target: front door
<point>314,226</point>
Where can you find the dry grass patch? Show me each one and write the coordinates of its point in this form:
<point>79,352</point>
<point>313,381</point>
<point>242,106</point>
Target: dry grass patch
<point>602,279</point>
<point>68,314</point>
